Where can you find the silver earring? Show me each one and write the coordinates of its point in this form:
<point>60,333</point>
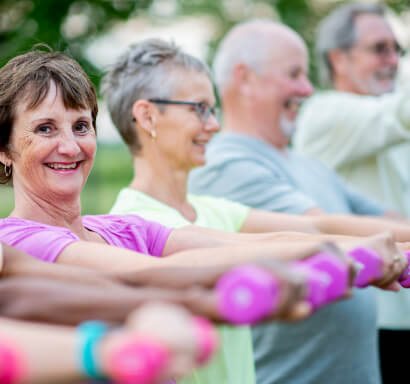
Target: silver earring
<point>7,170</point>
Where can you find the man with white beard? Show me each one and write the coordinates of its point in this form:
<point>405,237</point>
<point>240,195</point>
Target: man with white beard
<point>261,74</point>
<point>361,129</point>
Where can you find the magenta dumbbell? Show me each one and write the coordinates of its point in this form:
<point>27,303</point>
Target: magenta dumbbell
<point>337,270</point>
<point>404,278</point>
<point>207,340</point>
<point>370,265</point>
<point>139,361</point>
<point>317,285</point>
<point>12,369</point>
<point>247,294</point>
<point>143,360</point>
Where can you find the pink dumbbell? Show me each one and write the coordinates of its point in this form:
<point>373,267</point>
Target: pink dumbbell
<point>372,267</point>
<point>207,340</point>
<point>248,293</point>
<point>404,278</point>
<point>11,364</point>
<point>317,285</point>
<point>141,361</point>
<point>336,269</point>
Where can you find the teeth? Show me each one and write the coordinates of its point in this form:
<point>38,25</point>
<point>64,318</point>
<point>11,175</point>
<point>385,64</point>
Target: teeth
<point>293,104</point>
<point>294,107</point>
<point>62,166</point>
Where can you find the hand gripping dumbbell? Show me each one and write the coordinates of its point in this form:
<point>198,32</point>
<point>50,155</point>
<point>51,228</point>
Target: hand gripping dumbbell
<point>371,267</point>
<point>141,361</point>
<point>248,293</point>
<point>404,278</point>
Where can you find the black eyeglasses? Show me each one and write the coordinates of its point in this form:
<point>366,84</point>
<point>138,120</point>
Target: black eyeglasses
<point>203,110</point>
<point>383,49</point>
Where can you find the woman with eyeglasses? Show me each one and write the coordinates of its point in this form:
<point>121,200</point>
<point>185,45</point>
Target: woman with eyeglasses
<point>48,110</point>
<point>162,103</point>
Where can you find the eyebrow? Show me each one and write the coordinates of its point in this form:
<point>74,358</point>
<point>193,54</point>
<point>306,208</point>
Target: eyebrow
<point>50,119</point>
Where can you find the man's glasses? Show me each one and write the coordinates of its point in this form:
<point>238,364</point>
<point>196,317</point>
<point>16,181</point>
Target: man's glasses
<point>384,49</point>
<point>203,110</point>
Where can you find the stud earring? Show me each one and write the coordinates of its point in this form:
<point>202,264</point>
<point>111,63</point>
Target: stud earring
<point>7,170</point>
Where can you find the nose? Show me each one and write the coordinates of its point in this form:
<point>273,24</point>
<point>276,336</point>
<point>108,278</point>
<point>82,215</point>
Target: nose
<point>212,124</point>
<point>393,59</point>
<point>305,87</point>
<point>68,145</point>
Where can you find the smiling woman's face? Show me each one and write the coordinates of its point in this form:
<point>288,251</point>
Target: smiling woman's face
<point>51,149</point>
<point>181,135</point>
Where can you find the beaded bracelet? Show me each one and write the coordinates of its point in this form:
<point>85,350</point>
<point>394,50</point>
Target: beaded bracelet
<point>90,334</point>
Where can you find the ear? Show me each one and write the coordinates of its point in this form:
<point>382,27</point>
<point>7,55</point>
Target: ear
<point>145,116</point>
<point>243,78</point>
<point>338,60</point>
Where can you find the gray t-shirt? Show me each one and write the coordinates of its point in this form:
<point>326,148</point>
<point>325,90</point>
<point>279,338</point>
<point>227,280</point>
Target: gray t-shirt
<point>338,344</point>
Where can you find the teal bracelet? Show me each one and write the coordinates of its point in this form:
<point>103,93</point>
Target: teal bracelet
<point>90,334</point>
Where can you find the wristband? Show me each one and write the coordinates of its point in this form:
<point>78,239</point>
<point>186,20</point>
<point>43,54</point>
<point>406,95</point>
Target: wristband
<point>90,334</point>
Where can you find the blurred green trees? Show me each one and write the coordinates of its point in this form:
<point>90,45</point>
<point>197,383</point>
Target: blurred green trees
<point>67,25</point>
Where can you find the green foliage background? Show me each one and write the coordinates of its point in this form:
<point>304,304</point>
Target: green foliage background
<point>24,23</point>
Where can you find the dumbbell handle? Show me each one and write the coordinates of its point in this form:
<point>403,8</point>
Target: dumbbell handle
<point>141,361</point>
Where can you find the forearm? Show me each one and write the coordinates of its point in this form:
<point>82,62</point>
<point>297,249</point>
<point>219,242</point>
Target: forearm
<point>17,263</point>
<point>259,221</point>
<point>150,270</point>
<point>54,362</point>
<point>361,226</point>
<point>61,303</point>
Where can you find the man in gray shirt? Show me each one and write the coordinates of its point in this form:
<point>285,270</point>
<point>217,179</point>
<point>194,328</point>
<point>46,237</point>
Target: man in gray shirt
<point>261,74</point>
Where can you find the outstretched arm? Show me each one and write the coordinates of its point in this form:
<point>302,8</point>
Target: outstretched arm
<point>348,225</point>
<point>57,360</point>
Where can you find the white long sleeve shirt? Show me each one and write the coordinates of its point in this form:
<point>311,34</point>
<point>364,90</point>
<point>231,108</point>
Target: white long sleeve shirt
<point>366,139</point>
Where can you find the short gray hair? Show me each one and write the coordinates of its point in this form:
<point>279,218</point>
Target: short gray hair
<point>145,71</point>
<point>250,48</point>
<point>337,31</point>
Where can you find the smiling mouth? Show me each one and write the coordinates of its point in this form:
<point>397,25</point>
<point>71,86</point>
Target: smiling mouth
<point>64,166</point>
<point>200,142</point>
<point>385,75</point>
<point>293,104</point>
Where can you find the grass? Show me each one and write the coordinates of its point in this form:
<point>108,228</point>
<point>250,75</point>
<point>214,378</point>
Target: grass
<point>112,171</point>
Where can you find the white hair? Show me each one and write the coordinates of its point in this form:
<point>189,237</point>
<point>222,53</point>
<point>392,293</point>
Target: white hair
<point>145,71</point>
<point>245,43</point>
